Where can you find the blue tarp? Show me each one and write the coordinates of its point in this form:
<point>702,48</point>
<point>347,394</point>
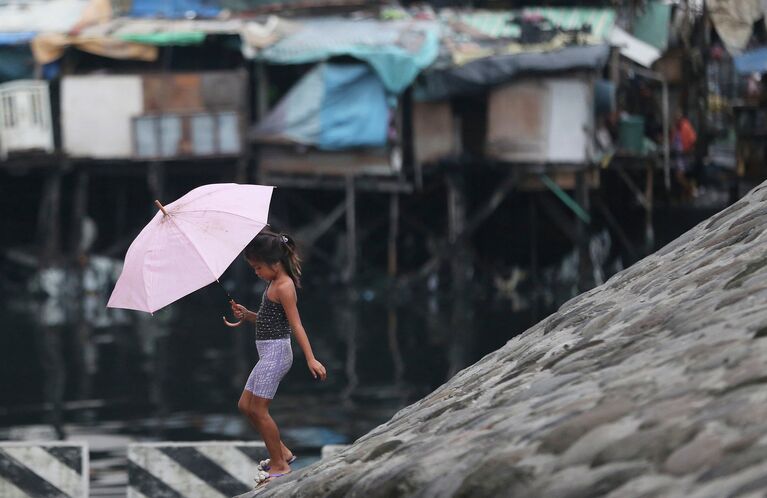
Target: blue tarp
<point>16,63</point>
<point>396,50</point>
<point>754,61</point>
<point>354,111</point>
<point>175,9</point>
<point>333,107</point>
<point>16,38</point>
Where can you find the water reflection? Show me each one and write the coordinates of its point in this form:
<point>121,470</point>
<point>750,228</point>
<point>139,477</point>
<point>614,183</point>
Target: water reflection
<point>178,374</point>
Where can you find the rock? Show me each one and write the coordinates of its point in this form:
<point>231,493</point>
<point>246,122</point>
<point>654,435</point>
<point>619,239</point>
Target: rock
<point>704,451</point>
<point>653,384</point>
<point>588,446</point>
<point>646,486</point>
<point>652,445</point>
<point>566,433</point>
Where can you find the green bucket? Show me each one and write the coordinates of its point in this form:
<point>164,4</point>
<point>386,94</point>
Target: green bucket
<point>631,134</point>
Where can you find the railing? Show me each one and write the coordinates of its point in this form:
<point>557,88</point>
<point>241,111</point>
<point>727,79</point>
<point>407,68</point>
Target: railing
<point>176,135</point>
<point>25,117</point>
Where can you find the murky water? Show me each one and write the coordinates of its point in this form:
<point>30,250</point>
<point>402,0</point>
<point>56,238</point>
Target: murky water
<point>70,369</point>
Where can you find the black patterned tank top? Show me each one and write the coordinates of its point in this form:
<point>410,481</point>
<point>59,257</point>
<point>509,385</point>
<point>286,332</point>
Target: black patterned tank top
<point>272,322</point>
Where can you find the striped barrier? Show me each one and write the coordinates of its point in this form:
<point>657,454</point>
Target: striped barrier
<point>182,470</point>
<point>43,469</point>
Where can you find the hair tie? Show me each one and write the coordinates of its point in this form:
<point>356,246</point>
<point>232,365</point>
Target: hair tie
<point>284,239</point>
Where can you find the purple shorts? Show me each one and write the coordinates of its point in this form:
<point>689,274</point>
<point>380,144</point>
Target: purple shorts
<point>275,357</point>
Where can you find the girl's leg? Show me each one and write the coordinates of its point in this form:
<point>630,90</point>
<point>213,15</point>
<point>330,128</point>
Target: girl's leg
<point>256,410</point>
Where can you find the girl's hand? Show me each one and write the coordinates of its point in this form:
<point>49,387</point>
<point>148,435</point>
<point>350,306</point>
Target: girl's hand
<point>317,370</point>
<point>239,310</point>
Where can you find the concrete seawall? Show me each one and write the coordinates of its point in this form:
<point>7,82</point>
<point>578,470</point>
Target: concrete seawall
<point>653,384</point>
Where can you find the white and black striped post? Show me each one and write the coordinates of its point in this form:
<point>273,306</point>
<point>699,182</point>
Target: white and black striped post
<point>43,470</point>
<point>178,470</point>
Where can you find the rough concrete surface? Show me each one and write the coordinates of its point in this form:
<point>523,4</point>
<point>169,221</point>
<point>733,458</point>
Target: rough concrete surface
<point>653,384</point>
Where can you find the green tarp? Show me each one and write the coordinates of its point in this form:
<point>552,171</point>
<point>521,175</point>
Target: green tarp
<point>166,38</point>
<point>653,25</point>
<point>503,24</point>
<point>396,50</point>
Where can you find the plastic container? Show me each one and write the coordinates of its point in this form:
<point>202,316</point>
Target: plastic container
<point>631,133</point>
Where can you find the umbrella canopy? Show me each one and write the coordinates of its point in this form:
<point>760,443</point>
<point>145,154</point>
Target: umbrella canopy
<point>189,244</point>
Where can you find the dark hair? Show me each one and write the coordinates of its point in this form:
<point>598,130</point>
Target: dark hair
<point>271,248</point>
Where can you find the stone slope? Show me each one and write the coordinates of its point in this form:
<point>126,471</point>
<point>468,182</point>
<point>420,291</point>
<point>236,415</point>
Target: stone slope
<point>653,384</point>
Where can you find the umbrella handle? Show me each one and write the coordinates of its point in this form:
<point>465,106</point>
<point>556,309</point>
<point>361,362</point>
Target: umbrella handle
<point>227,322</point>
<point>231,324</point>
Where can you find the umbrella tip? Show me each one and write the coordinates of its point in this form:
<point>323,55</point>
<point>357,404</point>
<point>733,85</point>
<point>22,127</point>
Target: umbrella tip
<point>160,207</point>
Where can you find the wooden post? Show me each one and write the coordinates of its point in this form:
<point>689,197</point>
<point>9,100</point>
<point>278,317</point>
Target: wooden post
<point>584,256</point>
<point>666,138</point>
<point>351,231</point>
<point>394,349</point>
<point>347,314</point>
<point>49,218</point>
<point>456,209</point>
<point>393,234</point>
<point>533,234</point>
<point>262,90</point>
<point>649,228</point>
<point>615,63</point>
<point>79,211</point>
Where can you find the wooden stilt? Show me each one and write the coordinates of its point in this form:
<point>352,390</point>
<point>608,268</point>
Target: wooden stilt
<point>456,209</point>
<point>394,349</point>
<point>262,90</point>
<point>312,232</point>
<point>584,255</point>
<point>648,195</point>
<point>351,231</point>
<point>349,321</point>
<point>480,215</point>
<point>460,263</point>
<point>78,248</point>
<point>533,234</point>
<point>616,227</point>
<point>79,211</point>
<point>393,234</point>
<point>49,218</point>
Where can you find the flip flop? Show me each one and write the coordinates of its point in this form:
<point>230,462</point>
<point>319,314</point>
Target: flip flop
<point>265,477</point>
<point>264,464</point>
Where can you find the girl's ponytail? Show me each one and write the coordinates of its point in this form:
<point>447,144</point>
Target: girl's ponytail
<point>271,247</point>
<point>291,261</point>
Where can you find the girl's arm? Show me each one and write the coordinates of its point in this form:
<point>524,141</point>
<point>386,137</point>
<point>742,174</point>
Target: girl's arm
<point>287,296</point>
<point>243,313</point>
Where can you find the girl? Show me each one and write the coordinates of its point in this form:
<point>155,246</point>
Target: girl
<point>274,259</point>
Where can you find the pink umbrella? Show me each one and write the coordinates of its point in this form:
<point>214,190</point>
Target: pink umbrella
<point>189,243</point>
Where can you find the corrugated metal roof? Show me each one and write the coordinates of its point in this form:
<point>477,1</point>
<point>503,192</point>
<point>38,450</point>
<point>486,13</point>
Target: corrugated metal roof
<point>501,24</point>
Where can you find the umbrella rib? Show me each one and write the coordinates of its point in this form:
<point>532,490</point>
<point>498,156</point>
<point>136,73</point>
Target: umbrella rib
<point>143,268</point>
<point>219,211</point>
<point>215,277</point>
